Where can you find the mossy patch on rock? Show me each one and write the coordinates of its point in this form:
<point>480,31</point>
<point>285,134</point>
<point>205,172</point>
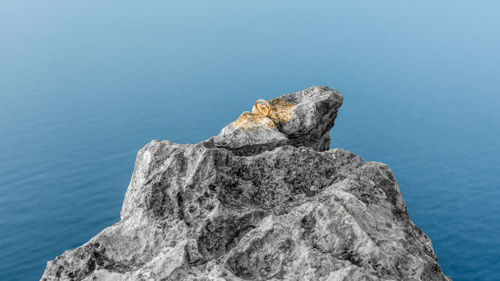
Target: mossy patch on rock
<point>251,121</point>
<point>281,112</point>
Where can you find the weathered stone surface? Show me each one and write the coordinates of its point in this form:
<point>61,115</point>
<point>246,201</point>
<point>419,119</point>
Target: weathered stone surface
<point>299,119</point>
<point>258,202</point>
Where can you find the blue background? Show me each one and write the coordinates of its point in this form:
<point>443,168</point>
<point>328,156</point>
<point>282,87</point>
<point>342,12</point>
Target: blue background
<point>84,85</point>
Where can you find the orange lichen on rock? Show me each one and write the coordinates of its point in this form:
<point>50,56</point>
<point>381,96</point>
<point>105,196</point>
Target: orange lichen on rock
<point>281,112</point>
<point>250,120</point>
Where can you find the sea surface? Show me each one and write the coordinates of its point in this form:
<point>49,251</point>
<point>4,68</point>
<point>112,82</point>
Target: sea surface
<point>85,84</point>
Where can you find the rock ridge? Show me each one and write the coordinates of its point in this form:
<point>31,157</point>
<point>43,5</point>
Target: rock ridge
<point>266,199</point>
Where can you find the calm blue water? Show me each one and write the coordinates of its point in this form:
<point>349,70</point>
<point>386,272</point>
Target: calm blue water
<point>84,85</point>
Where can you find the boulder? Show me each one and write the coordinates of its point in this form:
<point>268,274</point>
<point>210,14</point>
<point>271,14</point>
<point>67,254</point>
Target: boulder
<point>266,199</point>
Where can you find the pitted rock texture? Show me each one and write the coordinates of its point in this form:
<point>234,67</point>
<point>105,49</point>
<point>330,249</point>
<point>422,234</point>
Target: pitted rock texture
<point>288,210</point>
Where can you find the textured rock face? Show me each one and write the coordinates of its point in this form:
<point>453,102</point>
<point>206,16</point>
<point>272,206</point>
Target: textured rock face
<point>263,200</point>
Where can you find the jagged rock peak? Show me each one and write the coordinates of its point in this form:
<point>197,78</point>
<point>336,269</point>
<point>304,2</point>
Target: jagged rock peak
<point>263,200</point>
<point>299,119</point>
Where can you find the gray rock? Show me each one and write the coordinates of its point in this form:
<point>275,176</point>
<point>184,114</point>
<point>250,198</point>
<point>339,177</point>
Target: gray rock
<point>263,200</point>
<point>299,119</point>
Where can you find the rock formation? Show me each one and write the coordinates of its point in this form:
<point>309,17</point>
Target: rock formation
<point>266,199</point>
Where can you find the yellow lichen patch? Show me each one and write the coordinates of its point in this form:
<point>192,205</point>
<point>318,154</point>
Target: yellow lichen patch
<point>249,120</point>
<point>281,111</point>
